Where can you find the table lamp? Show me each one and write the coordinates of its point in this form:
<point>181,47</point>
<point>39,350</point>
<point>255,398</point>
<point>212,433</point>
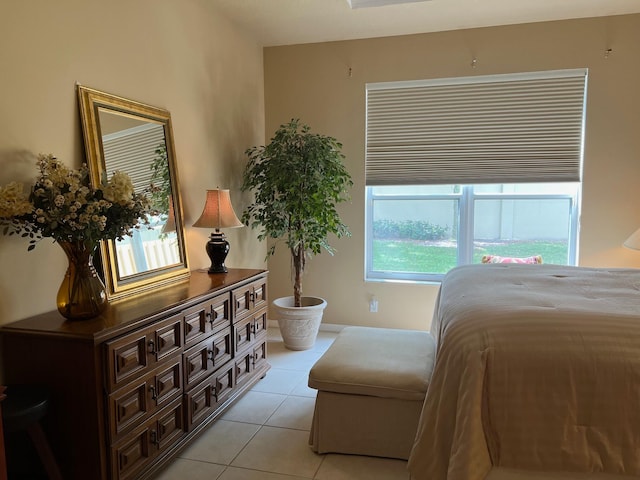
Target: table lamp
<point>218,213</point>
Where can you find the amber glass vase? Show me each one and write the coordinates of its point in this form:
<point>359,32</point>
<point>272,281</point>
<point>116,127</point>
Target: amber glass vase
<point>82,294</point>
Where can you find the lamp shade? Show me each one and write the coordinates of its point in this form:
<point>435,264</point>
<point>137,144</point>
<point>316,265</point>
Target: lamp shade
<point>633,241</point>
<point>218,211</point>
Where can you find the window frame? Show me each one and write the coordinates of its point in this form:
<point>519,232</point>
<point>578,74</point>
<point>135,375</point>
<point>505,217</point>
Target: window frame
<point>465,239</point>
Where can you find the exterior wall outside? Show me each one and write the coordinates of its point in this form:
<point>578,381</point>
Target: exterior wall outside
<point>181,56</point>
<point>324,85</point>
<point>502,219</point>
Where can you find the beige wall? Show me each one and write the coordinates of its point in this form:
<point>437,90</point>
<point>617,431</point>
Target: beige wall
<point>324,85</point>
<point>178,55</point>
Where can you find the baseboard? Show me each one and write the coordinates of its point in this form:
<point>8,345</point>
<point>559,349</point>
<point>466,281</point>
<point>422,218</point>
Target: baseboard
<point>324,327</point>
<point>331,327</point>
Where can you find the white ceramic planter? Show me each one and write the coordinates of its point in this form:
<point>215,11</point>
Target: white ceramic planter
<point>299,325</point>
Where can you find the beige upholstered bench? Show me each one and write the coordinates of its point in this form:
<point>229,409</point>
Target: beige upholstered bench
<point>371,386</point>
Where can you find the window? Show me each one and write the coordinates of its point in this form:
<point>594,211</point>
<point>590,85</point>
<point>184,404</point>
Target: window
<point>461,168</point>
<point>421,232</point>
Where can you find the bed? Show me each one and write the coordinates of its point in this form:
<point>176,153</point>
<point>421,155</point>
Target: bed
<point>537,372</point>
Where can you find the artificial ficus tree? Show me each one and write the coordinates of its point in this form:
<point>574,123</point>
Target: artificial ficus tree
<point>297,179</point>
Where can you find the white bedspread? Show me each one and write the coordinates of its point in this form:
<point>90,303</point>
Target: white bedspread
<point>537,368</point>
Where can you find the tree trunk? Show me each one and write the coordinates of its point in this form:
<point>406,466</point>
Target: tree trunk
<point>297,254</point>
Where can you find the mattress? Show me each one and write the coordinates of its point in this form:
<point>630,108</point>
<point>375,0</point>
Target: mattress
<point>537,369</point>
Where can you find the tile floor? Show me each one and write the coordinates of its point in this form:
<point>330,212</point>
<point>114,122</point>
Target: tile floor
<point>269,440</point>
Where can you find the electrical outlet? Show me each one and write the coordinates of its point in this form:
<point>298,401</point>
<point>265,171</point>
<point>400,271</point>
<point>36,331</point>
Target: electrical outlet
<point>373,305</point>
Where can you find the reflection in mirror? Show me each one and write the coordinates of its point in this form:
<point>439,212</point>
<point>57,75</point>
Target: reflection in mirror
<point>123,135</point>
<point>139,148</point>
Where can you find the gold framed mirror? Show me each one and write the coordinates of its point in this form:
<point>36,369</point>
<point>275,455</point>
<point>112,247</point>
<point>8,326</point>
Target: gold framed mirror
<point>131,137</point>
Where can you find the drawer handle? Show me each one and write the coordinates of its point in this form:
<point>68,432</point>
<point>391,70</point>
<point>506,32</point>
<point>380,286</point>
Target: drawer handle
<point>252,296</point>
<point>152,347</point>
<point>210,354</point>
<point>154,395</point>
<point>154,438</point>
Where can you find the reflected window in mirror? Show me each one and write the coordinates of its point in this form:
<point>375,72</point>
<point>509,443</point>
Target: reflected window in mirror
<point>139,148</point>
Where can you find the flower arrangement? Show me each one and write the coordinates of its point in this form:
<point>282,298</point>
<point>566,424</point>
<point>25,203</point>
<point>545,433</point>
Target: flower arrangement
<point>62,204</point>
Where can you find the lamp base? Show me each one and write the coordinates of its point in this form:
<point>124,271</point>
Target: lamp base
<point>217,248</point>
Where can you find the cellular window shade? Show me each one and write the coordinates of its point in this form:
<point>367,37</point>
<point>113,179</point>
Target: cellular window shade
<point>493,129</point>
<point>133,151</point>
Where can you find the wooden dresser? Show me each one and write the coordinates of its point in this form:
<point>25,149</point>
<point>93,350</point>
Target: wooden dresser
<point>134,386</point>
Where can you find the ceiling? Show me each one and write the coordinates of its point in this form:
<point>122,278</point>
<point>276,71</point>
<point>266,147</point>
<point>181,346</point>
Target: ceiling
<point>289,22</point>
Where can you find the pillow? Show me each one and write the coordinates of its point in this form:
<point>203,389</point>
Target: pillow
<point>535,259</point>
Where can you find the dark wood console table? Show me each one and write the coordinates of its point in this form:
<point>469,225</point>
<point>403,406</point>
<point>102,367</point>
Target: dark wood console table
<point>134,386</point>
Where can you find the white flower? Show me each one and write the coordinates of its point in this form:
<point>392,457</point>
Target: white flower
<point>13,201</point>
<point>65,206</point>
<point>119,189</point>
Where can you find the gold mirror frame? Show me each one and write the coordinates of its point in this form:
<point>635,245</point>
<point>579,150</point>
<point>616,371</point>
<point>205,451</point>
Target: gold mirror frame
<point>96,108</point>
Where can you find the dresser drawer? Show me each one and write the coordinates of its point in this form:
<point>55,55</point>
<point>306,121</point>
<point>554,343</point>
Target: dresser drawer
<point>135,354</point>
<point>243,366</point>
<point>247,330</point>
<point>260,324</point>
<point>242,334</point>
<point>206,357</point>
<point>249,360</point>
<point>143,397</point>
<point>206,397</point>
<point>202,320</point>
<point>137,450</point>
<point>260,355</point>
<point>249,298</point>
